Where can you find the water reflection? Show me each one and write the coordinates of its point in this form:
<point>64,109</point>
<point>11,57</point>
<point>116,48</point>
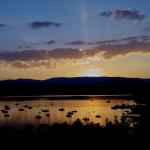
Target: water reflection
<point>43,111</point>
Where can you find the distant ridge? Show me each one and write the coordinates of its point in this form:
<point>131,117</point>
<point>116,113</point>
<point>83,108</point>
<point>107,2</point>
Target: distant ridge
<point>72,78</point>
<point>75,86</point>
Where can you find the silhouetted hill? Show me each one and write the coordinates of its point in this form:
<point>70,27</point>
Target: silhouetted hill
<point>79,85</point>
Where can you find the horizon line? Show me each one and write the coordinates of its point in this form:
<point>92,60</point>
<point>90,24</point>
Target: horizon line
<point>74,77</point>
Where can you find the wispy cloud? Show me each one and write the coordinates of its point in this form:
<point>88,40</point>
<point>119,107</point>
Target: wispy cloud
<point>2,25</point>
<point>124,14</point>
<point>143,38</point>
<point>32,64</point>
<point>50,42</point>
<point>76,43</point>
<point>81,43</point>
<point>24,46</point>
<point>44,24</point>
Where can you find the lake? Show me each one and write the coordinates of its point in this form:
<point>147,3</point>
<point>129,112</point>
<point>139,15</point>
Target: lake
<point>45,110</point>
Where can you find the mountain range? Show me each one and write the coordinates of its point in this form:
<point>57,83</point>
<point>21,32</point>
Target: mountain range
<point>76,86</point>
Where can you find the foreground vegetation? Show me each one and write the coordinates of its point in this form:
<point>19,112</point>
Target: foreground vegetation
<point>134,126</point>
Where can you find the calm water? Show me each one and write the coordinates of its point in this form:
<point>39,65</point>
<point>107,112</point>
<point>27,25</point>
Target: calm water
<point>89,107</point>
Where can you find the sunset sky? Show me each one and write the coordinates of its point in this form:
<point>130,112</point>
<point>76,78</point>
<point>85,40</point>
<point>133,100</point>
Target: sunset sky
<point>41,39</point>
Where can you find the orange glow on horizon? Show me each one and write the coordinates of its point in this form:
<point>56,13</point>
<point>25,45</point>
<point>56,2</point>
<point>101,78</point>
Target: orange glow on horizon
<point>92,72</point>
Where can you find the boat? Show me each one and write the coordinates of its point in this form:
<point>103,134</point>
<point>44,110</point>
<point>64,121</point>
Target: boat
<point>6,115</point>
<point>86,119</point>
<point>61,109</point>
<point>29,107</point>
<point>98,116</point>
<point>4,111</point>
<point>7,107</point>
<point>47,115</point>
<point>21,109</point>
<point>45,110</point>
<point>68,116</point>
<point>74,111</point>
<point>38,117</point>
<point>70,113</point>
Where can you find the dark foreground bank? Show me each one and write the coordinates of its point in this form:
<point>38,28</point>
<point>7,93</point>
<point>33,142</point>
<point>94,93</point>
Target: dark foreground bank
<point>133,129</point>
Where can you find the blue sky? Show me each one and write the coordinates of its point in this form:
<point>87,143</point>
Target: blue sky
<point>51,38</point>
<point>80,21</point>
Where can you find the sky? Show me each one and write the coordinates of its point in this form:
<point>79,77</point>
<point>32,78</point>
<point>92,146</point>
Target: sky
<point>41,39</point>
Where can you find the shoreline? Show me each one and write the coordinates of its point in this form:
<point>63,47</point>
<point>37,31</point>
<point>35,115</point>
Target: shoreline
<point>67,97</point>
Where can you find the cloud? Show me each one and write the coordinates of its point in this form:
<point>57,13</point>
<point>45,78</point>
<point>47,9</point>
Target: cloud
<point>80,43</point>
<point>49,58</point>
<point>33,64</point>
<point>24,46</point>
<point>105,42</point>
<point>112,50</point>
<point>76,43</point>
<point>2,25</point>
<point>44,24</point>
<point>50,42</point>
<point>124,14</point>
<point>143,38</point>
<point>29,55</point>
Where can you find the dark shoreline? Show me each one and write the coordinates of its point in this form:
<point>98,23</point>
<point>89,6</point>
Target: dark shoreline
<point>66,97</point>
